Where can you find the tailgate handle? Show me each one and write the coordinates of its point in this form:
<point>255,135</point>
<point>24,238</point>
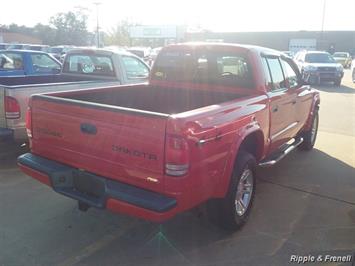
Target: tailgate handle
<point>88,128</point>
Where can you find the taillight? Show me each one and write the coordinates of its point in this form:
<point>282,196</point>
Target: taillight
<point>176,156</point>
<point>12,108</point>
<point>29,122</point>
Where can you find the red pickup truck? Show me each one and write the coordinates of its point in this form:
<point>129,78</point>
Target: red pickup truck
<point>210,114</point>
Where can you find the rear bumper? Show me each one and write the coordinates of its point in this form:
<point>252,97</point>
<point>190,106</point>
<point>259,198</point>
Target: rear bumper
<point>98,191</point>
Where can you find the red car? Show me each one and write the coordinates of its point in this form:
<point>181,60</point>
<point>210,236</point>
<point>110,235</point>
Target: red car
<point>209,116</point>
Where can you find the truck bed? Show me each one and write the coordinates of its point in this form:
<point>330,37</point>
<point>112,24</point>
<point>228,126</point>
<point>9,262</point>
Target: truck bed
<point>15,81</point>
<point>155,99</point>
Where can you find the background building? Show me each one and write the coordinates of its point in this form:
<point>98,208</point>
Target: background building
<point>11,37</point>
<point>284,41</point>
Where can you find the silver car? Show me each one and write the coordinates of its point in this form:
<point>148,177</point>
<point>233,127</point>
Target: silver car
<point>318,66</point>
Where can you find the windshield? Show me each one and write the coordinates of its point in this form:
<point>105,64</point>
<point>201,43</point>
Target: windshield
<point>319,58</point>
<point>340,55</point>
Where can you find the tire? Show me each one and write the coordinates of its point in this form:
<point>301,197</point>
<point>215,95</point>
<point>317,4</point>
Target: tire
<point>337,82</point>
<point>225,212</point>
<point>310,136</point>
<point>353,75</point>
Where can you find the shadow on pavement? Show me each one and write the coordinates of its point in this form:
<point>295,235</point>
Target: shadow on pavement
<point>9,153</point>
<point>328,87</point>
<point>315,172</point>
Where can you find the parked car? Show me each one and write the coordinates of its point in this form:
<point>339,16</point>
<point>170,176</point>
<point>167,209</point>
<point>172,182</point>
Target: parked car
<point>343,58</point>
<point>27,63</point>
<point>37,47</point>
<point>153,54</point>
<point>16,46</point>
<point>318,66</point>
<point>59,51</point>
<point>141,52</point>
<point>210,114</point>
<point>289,53</point>
<point>3,46</point>
<point>82,68</point>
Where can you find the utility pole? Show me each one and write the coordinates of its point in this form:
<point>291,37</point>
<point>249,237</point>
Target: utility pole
<point>323,16</point>
<point>97,24</point>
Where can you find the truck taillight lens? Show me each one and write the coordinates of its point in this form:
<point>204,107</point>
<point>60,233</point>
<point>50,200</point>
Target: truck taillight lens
<point>12,108</point>
<point>29,122</point>
<point>177,156</point>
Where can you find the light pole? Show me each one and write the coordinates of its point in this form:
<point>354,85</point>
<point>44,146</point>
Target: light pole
<point>97,24</point>
<point>323,16</point>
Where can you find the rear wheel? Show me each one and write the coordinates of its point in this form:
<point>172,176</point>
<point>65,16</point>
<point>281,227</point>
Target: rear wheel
<point>353,74</point>
<point>309,137</point>
<point>232,211</point>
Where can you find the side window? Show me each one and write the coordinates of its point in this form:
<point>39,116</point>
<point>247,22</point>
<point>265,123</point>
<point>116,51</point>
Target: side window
<point>277,76</point>
<point>11,61</point>
<point>267,73</point>
<point>44,64</point>
<point>134,68</point>
<point>290,74</point>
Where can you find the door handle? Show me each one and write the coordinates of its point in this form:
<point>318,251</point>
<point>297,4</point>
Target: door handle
<point>275,109</point>
<point>294,101</point>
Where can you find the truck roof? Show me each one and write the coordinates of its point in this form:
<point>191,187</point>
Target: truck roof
<point>99,51</point>
<point>24,51</point>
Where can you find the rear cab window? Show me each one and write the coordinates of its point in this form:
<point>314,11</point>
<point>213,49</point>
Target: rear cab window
<point>89,65</point>
<point>225,68</point>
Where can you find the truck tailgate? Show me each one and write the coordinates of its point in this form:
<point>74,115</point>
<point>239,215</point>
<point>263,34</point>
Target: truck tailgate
<point>119,144</point>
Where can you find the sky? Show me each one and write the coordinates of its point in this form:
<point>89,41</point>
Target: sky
<point>221,15</point>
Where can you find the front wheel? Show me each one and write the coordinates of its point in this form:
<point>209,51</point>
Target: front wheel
<point>337,82</point>
<point>232,211</point>
<point>309,137</point>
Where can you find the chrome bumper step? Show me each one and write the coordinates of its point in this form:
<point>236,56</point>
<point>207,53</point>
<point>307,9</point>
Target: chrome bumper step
<point>278,156</point>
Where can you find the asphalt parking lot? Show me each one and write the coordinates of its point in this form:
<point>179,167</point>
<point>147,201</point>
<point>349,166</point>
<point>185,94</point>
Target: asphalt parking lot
<point>305,205</point>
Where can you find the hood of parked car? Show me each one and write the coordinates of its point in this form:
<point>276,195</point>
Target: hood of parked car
<point>323,64</point>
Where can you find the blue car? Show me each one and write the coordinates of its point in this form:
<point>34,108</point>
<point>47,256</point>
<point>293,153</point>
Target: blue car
<point>27,63</point>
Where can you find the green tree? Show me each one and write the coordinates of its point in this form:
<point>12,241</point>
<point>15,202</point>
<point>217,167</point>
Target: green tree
<point>119,35</point>
<point>71,28</point>
<point>45,33</point>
